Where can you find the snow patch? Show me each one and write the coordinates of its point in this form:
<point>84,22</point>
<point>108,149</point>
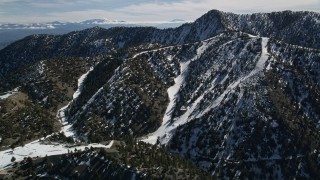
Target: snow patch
<point>61,115</point>
<point>154,50</point>
<point>41,67</point>
<point>173,91</point>
<point>9,93</point>
<point>66,127</point>
<point>36,149</point>
<point>80,84</point>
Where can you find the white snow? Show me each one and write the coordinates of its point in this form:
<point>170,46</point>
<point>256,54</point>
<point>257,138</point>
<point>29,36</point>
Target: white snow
<point>172,93</point>
<point>165,131</point>
<point>36,149</point>
<point>66,126</point>
<point>154,50</point>
<point>167,128</point>
<point>9,93</point>
<point>80,82</point>
<point>41,67</point>
<point>252,36</point>
<point>269,67</point>
<point>258,68</point>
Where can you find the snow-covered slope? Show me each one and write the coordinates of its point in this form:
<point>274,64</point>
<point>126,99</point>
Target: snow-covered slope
<point>237,94</point>
<point>38,149</point>
<point>280,25</point>
<point>165,131</point>
<point>242,122</point>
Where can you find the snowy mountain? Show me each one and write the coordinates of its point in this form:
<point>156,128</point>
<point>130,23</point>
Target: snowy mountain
<point>238,95</point>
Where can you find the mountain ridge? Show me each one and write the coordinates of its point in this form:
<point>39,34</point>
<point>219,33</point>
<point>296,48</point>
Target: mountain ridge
<point>189,32</point>
<point>238,105</point>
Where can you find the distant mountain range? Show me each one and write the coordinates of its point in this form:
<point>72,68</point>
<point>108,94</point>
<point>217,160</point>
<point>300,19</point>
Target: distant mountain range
<point>10,32</point>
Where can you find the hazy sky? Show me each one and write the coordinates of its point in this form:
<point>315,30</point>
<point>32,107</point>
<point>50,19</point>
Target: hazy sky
<point>21,11</point>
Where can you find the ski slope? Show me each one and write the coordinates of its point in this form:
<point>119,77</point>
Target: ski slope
<point>173,91</point>
<point>168,126</point>
<point>61,115</point>
<point>164,132</point>
<point>258,68</point>
<point>37,148</point>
